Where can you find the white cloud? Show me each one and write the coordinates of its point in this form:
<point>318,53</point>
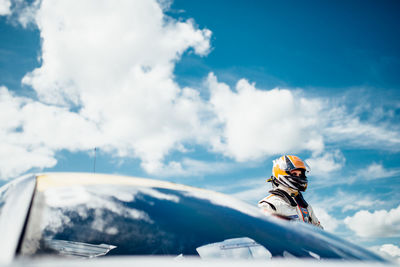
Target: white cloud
<point>191,167</point>
<point>340,126</point>
<point>106,79</point>
<point>26,12</point>
<point>329,223</point>
<point>380,223</point>
<point>347,201</point>
<point>114,51</point>
<point>258,191</point>
<point>19,11</point>
<point>31,132</point>
<point>390,251</point>
<point>376,171</point>
<point>114,65</point>
<point>5,7</point>
<point>322,164</point>
<point>361,203</point>
<point>257,123</point>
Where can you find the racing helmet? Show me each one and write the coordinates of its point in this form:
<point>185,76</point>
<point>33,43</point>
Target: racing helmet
<point>281,172</point>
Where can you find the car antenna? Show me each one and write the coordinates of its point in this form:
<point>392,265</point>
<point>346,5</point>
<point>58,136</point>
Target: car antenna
<point>94,163</point>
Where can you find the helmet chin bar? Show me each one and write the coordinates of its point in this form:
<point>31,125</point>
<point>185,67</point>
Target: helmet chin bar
<point>289,190</point>
<point>293,183</point>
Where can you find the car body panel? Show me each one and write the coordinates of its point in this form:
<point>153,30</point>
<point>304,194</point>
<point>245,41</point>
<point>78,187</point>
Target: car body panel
<point>15,200</point>
<point>91,215</point>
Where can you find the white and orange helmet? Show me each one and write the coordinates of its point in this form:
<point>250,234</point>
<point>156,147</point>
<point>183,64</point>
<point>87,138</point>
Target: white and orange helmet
<point>281,172</point>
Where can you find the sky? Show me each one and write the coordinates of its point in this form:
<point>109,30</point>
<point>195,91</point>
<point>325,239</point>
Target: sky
<point>208,93</point>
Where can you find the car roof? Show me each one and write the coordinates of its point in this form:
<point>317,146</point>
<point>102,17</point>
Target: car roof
<point>49,180</point>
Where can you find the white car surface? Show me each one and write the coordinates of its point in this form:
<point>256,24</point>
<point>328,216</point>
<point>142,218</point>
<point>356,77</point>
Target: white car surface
<point>68,218</point>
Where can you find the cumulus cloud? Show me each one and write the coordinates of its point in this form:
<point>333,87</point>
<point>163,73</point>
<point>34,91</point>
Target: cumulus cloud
<point>329,223</point>
<point>19,11</point>
<point>390,251</point>
<point>322,164</point>
<point>257,123</point>
<point>5,7</point>
<point>31,131</point>
<point>114,51</point>
<point>380,223</point>
<point>106,80</point>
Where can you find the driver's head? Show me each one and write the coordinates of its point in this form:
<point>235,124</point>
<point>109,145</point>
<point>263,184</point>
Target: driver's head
<point>290,171</point>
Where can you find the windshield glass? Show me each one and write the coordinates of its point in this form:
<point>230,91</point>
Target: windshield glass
<point>103,220</point>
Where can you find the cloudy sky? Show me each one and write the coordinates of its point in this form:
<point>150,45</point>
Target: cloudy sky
<point>208,93</point>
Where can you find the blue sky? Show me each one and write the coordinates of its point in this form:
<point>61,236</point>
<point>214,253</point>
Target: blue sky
<point>208,93</point>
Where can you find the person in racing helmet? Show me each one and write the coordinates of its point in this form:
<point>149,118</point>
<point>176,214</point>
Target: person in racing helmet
<point>285,200</point>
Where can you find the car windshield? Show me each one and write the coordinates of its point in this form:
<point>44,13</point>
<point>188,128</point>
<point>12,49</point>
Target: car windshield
<point>103,220</point>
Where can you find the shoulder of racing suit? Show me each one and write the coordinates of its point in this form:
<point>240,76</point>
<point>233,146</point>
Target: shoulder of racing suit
<point>276,205</point>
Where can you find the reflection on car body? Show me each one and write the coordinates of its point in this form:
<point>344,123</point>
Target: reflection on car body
<point>87,215</point>
<point>78,249</point>
<point>234,248</point>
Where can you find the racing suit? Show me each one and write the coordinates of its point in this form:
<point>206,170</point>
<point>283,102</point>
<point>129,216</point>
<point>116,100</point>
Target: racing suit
<point>290,207</point>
